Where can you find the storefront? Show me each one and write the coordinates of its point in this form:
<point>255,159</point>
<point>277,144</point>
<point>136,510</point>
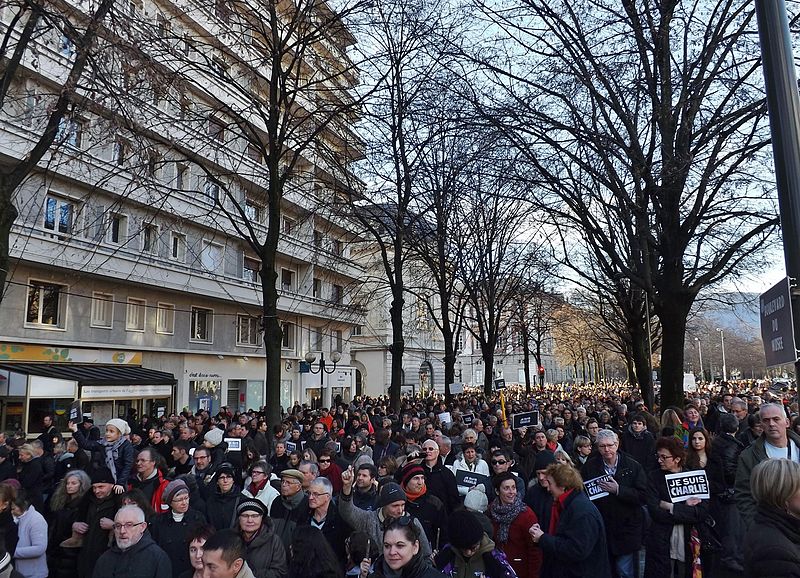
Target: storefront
<point>29,391</point>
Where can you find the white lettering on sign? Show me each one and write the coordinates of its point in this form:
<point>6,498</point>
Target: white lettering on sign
<point>773,305</point>
<point>777,344</point>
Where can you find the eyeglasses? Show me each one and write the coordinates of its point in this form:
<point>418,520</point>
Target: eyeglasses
<point>317,495</point>
<point>662,457</point>
<point>499,462</point>
<point>251,516</point>
<point>606,446</point>
<point>225,477</point>
<point>128,525</point>
<point>181,499</point>
<point>324,461</point>
<point>257,472</point>
<point>429,449</point>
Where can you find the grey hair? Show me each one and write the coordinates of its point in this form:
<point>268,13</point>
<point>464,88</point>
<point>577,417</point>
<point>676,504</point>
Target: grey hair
<point>314,467</point>
<point>607,434</point>
<point>770,405</point>
<point>446,442</point>
<point>738,401</point>
<point>324,482</point>
<point>132,508</point>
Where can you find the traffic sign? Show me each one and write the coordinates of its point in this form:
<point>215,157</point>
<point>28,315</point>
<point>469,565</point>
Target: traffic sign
<point>777,325</point>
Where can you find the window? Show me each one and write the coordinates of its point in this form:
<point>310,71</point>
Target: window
<point>66,46</point>
<point>357,330</point>
<point>181,176</point>
<point>211,191</point>
<point>318,238</point>
<point>211,257</point>
<point>46,305</point>
<point>59,215</point>
<point>336,247</point>
<point>218,67</point>
<point>178,248</point>
<point>32,105</point>
<point>202,325</point>
<point>251,269</point>
<point>165,318</point>
<point>254,153</point>
<point>102,310</point>
<point>221,10</point>
<point>336,294</point>
<point>287,280</point>
<point>288,226</point>
<point>253,211</point>
<point>164,26</point>
<point>337,340</point>
<point>460,341</point>
<point>150,239</point>
<point>121,148</point>
<point>216,129</point>
<point>135,315</point>
<point>153,162</point>
<point>118,229</point>
<point>70,131</point>
<point>287,329</point>
<point>316,289</point>
<point>248,331</point>
<point>319,339</point>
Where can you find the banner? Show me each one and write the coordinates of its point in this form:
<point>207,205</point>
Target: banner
<point>456,388</point>
<point>499,383</point>
<point>291,446</point>
<point>687,485</point>
<point>234,444</point>
<point>445,417</point>
<point>468,479</point>
<point>593,489</point>
<point>526,419</point>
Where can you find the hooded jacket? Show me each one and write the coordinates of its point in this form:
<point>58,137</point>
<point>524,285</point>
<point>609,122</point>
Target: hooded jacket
<point>487,561</point>
<point>142,560</point>
<point>266,555</point>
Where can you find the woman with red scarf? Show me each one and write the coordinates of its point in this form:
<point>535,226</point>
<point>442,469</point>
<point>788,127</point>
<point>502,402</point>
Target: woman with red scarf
<point>575,543</point>
<point>512,520</point>
<point>257,484</point>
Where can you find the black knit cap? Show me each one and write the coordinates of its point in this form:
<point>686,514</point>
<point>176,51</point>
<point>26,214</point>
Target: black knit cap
<point>102,476</point>
<point>389,494</point>
<point>464,529</point>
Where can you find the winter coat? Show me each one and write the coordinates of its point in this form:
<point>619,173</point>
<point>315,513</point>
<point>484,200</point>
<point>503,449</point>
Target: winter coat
<point>30,556</point>
<point>487,561</point>
<point>418,567</point>
<point>441,482</point>
<point>657,543</point>
<point>748,459</point>
<point>335,530</point>
<point>479,467</point>
<point>772,549</point>
<point>221,508</point>
<point>266,555</point>
<point>365,500</point>
<point>123,463</point>
<point>62,562</point>
<point>334,474</point>
<point>96,540</point>
<point>578,547</point>
<point>429,510</point>
<point>142,560</point>
<point>7,470</point>
<point>541,502</point>
<point>31,477</point>
<point>153,489</point>
<point>641,447</point>
<point>265,495</point>
<point>287,515</point>
<point>622,513</point>
<point>726,450</point>
<point>523,555</point>
<point>170,536</point>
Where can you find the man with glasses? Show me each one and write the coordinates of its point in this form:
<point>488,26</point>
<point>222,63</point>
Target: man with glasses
<point>622,508</point>
<point>291,508</point>
<point>499,463</point>
<point>133,549</point>
<point>203,471</point>
<point>264,551</point>
<point>439,478</point>
<point>324,516</point>
<point>148,478</point>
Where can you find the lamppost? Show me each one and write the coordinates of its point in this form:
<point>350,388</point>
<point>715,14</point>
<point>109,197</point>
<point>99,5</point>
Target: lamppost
<point>700,353</point>
<point>322,370</point>
<point>724,366</point>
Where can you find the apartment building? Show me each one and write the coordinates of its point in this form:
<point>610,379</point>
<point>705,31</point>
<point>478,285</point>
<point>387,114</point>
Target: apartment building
<point>134,285</point>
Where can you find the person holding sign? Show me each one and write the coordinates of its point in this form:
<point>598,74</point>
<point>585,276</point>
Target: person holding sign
<point>114,451</point>
<point>621,508</point>
<point>673,542</point>
<point>469,461</point>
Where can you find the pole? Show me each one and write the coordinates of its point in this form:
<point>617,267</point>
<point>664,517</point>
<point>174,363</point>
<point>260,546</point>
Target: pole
<point>783,103</point>
<point>700,353</point>
<point>724,366</point>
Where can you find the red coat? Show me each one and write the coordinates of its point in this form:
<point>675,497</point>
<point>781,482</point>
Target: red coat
<point>524,556</point>
<point>334,474</point>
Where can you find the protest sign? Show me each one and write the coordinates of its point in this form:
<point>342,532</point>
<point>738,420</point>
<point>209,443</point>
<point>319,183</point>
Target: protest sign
<point>468,479</point>
<point>75,413</point>
<point>499,383</point>
<point>468,418</point>
<point>593,489</point>
<point>445,417</point>
<point>525,419</point>
<point>685,485</point>
<point>291,446</point>
<point>234,444</point>
<point>456,388</point>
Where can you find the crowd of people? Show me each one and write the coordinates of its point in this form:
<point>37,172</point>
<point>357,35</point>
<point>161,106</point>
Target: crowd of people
<point>436,489</point>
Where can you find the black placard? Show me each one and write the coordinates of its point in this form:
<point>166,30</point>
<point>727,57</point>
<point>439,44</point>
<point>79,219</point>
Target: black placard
<point>75,414</point>
<point>499,384</point>
<point>468,479</point>
<point>525,419</point>
<point>468,418</point>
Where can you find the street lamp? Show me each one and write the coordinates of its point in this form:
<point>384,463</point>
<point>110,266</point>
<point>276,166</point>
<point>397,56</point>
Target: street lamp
<point>700,353</point>
<point>311,358</point>
<point>724,366</point>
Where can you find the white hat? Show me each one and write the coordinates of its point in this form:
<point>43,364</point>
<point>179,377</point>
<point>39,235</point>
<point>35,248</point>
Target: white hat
<point>121,425</point>
<point>214,436</point>
<point>476,499</point>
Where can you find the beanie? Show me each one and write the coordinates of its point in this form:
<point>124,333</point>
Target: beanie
<point>542,460</point>
<point>103,476</point>
<point>464,529</point>
<point>476,499</point>
<point>252,505</point>
<point>121,425</point>
<point>389,494</point>
<point>408,472</point>
<point>172,490</point>
<point>214,436</point>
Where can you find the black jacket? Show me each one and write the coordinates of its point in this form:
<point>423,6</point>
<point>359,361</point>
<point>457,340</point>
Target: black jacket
<point>365,500</point>
<point>31,478</point>
<point>221,508</point>
<point>417,567</point>
<point>123,463</point>
<point>641,447</point>
<point>429,510</point>
<point>62,562</point>
<point>335,530</point>
<point>726,451</point>
<point>266,554</point>
<point>772,549</point>
<point>622,513</point>
<point>95,541</point>
<point>541,502</point>
<point>171,537</point>
<point>142,560</point>
<point>441,482</point>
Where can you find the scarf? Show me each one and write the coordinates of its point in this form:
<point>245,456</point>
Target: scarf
<point>504,515</point>
<point>112,453</point>
<point>293,502</point>
<point>254,488</point>
<point>416,496</point>
<point>556,509</point>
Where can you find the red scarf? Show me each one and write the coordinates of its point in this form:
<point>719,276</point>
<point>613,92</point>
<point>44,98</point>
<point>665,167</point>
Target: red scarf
<point>413,497</point>
<point>254,488</point>
<point>555,511</point>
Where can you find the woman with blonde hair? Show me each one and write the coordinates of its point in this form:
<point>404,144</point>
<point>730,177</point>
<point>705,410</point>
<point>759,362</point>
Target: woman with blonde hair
<point>773,544</point>
<point>64,506</point>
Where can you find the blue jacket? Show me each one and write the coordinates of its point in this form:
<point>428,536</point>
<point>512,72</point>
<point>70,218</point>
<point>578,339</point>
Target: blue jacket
<point>30,556</point>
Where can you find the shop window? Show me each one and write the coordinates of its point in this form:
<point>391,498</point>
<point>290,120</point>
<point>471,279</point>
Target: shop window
<point>248,331</point>
<point>57,408</point>
<point>102,310</point>
<point>287,329</point>
<point>135,314</point>
<point>202,328</point>
<point>46,305</point>
<point>165,319</point>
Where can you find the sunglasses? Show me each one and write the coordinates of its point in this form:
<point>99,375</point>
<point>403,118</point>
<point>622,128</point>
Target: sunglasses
<point>499,462</point>
<point>324,461</point>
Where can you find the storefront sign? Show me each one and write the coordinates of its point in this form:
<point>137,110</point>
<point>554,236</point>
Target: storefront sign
<point>125,391</point>
<point>20,352</point>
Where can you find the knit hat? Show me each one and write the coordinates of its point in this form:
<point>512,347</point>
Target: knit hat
<point>251,506</point>
<point>173,489</point>
<point>389,494</point>
<point>408,472</point>
<point>214,436</point>
<point>103,476</point>
<point>476,499</point>
<point>121,425</point>
<point>294,474</point>
<point>542,460</point>
<point>226,468</point>
<point>464,529</point>
<point>13,482</point>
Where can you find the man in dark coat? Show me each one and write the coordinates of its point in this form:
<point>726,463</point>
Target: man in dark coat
<point>291,508</point>
<point>622,508</point>
<point>439,479</point>
<point>639,443</point>
<point>222,503</point>
<point>95,522</point>
<point>134,553</point>
<point>365,491</point>
<point>725,459</point>
<point>324,515</point>
<point>537,497</point>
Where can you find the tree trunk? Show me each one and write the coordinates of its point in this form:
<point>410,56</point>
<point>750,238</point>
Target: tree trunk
<point>488,370</point>
<point>273,338</point>
<point>526,360</point>
<point>398,346</point>
<point>673,314</point>
<point>642,367</point>
<point>449,367</point>
<point>8,214</point>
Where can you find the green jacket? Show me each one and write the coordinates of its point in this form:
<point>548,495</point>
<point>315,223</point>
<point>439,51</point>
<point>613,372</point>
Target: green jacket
<point>748,459</point>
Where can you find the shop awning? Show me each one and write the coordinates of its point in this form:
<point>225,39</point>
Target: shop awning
<point>93,374</point>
